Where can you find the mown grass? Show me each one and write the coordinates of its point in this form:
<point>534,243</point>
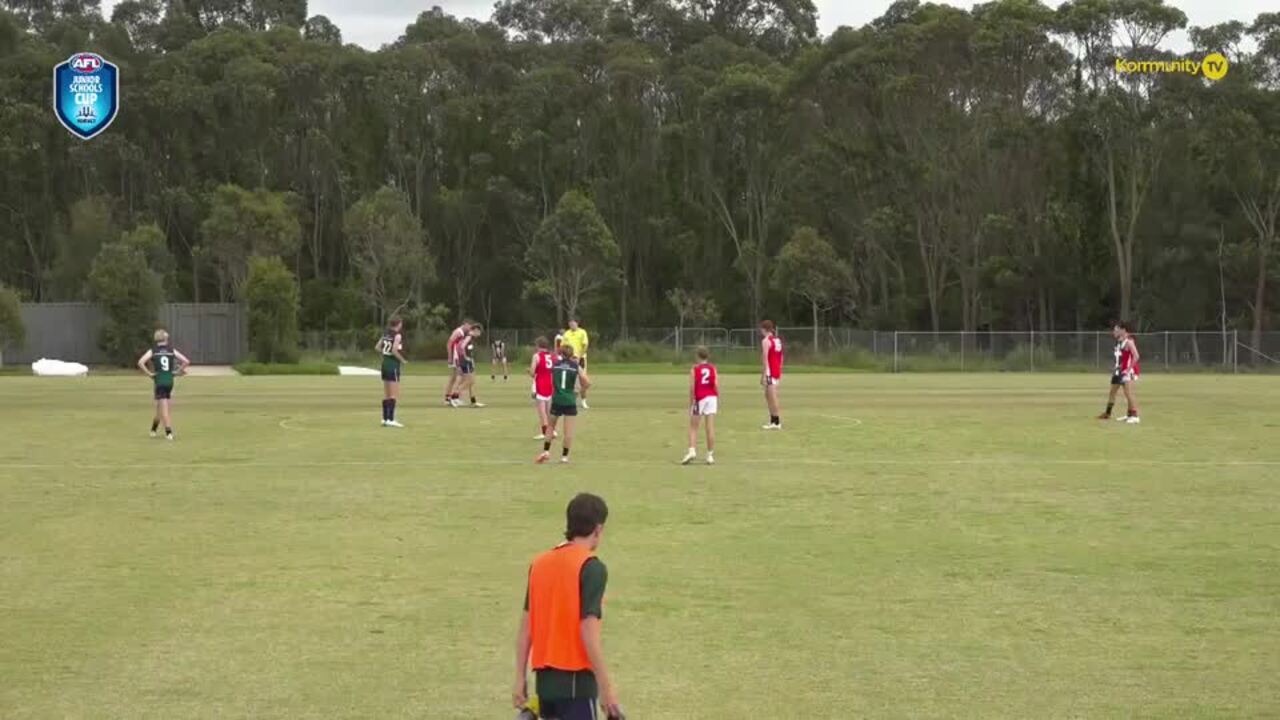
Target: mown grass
<point>917,546</point>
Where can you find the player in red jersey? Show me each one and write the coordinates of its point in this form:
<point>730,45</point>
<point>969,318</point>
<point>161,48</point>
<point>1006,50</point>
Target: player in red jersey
<point>540,371</point>
<point>1125,374</point>
<point>771,360</point>
<point>451,353</point>
<point>704,401</point>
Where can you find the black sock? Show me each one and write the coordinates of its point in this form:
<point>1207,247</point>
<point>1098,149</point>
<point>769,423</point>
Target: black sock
<point>564,453</point>
<point>391,409</point>
<point>473,399</point>
<point>384,410</point>
<point>168,431</point>
<point>775,420</point>
<point>1109,406</point>
<point>155,425</point>
<point>546,446</point>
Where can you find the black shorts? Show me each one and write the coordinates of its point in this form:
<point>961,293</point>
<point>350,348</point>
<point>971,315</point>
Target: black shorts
<point>1121,378</point>
<point>564,410</point>
<point>164,392</point>
<point>467,367</point>
<point>390,375</point>
<point>576,709</point>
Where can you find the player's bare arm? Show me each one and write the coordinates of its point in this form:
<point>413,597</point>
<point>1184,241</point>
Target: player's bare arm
<point>764,357</point>
<point>524,645</point>
<point>584,382</point>
<point>399,348</point>
<point>142,364</point>
<point>1133,348</point>
<point>183,362</point>
<point>595,653</point>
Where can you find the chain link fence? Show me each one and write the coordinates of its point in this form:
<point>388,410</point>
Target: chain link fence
<point>895,351</point>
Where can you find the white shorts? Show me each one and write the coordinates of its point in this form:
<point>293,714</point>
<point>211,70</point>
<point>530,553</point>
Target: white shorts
<point>707,406</point>
<point>771,380</point>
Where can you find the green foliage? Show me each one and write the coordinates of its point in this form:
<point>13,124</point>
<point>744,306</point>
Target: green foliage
<point>150,241</point>
<point>243,224</point>
<point>272,294</point>
<point>129,293</point>
<point>13,332</point>
<point>573,254</point>
<point>388,250</point>
<point>89,226</point>
<point>308,368</point>
<point>963,162</point>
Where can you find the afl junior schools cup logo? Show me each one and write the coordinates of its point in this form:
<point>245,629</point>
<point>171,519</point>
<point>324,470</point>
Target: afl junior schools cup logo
<point>86,94</point>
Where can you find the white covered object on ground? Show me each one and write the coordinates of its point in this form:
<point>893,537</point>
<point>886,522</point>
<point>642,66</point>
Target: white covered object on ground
<point>362,372</point>
<point>57,368</point>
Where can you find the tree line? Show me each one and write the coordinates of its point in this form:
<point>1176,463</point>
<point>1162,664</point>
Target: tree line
<point>648,162</point>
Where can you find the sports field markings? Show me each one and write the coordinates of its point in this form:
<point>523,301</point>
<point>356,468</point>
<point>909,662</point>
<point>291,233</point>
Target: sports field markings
<point>840,418</point>
<point>436,462</point>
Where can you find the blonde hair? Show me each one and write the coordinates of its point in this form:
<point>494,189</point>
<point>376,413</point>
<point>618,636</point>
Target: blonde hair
<point>161,337</point>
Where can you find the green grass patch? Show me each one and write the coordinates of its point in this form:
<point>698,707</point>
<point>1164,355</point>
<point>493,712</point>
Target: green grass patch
<point>306,368</point>
<point>911,546</point>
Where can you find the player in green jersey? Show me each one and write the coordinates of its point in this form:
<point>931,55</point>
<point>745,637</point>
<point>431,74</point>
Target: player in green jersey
<point>391,347</point>
<point>162,363</point>
<point>567,378</point>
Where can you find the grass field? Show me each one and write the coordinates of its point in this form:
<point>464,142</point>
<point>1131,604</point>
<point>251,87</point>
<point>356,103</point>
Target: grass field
<point>912,546</point>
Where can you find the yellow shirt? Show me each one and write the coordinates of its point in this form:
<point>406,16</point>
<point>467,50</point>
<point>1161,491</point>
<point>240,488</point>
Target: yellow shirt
<point>577,339</point>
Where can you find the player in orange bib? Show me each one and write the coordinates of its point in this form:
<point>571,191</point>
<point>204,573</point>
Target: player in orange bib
<point>559,634</point>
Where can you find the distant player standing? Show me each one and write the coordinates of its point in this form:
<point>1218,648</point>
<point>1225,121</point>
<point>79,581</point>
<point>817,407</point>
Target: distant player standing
<point>576,338</point>
<point>566,378</point>
<point>165,363</point>
<point>499,356</point>
<point>1125,373</point>
<point>467,365</point>
<point>391,347</point>
<point>540,371</point>
<point>451,352</point>
<point>704,399</point>
<point>771,377</point>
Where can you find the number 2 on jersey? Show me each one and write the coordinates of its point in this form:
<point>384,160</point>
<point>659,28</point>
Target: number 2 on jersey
<point>706,376</point>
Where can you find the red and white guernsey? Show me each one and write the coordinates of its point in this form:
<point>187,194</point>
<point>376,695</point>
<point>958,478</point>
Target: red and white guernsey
<point>1125,363</point>
<point>705,383</point>
<point>455,341</point>
<point>774,351</point>
<point>543,361</point>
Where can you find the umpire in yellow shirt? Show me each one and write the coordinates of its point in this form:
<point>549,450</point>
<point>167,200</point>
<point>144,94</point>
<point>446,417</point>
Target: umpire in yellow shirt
<point>576,338</point>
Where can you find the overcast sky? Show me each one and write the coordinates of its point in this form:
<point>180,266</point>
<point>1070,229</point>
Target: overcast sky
<point>373,22</point>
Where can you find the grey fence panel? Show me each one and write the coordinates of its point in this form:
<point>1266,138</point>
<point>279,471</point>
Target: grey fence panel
<point>209,334</point>
<point>60,331</point>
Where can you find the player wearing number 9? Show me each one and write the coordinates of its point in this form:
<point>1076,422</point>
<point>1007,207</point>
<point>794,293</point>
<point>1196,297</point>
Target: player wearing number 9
<point>162,364</point>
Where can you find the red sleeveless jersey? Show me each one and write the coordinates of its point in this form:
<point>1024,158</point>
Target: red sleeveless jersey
<point>542,374</point>
<point>774,356</point>
<point>705,383</point>
<point>1124,358</point>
